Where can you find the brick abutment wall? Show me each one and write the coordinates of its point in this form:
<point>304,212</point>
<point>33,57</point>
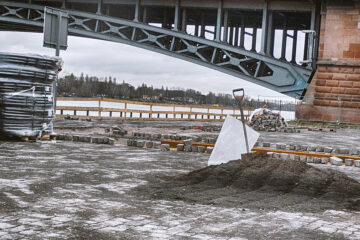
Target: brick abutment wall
<point>334,93</point>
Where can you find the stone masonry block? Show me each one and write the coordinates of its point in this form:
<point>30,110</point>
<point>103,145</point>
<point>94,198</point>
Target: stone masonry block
<point>111,141</point>
<point>357,163</point>
<point>320,149</point>
<point>68,137</point>
<point>336,161</point>
<point>328,149</point>
<point>311,149</point>
<point>180,147</point>
<point>187,148</point>
<point>284,156</point>
<point>303,158</point>
<point>140,144</point>
<point>149,144</point>
<point>194,148</point>
<point>165,147</point>
<point>266,144</point>
<point>276,155</point>
<point>201,149</point>
<point>324,160</point>
<point>317,160</point>
<point>76,138</point>
<point>188,142</point>
<point>130,142</point>
<point>310,159</point>
<point>349,162</point>
<point>344,151</point>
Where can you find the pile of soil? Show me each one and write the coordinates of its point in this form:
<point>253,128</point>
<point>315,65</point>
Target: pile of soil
<point>258,181</point>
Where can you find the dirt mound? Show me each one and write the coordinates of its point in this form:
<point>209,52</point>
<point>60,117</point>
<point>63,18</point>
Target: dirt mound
<point>263,182</point>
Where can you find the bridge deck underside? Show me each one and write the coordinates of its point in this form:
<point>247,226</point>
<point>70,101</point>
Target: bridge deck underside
<point>264,44</point>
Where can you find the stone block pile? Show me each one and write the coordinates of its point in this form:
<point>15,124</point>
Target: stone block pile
<point>86,139</point>
<point>315,149</point>
<point>270,122</point>
<point>174,137</point>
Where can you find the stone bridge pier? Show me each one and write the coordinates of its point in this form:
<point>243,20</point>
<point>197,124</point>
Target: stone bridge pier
<point>334,92</point>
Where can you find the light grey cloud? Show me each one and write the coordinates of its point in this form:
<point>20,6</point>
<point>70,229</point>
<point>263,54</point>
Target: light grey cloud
<point>133,65</point>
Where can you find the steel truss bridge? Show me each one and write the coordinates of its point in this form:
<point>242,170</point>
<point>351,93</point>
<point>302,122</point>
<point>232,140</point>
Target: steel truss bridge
<point>269,43</point>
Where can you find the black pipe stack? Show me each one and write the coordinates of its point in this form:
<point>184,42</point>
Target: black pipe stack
<point>27,94</point>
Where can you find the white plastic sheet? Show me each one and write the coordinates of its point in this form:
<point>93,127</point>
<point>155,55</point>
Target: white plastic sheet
<point>230,144</point>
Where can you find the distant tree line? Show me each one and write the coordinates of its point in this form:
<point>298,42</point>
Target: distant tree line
<point>90,86</point>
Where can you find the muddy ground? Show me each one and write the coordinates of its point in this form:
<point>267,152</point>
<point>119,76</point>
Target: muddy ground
<point>262,183</point>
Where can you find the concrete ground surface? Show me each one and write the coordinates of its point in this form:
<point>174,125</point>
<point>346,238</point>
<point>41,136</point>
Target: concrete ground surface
<point>68,190</point>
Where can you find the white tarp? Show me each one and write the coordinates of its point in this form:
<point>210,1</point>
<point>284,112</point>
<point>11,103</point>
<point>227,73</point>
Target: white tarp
<point>231,142</point>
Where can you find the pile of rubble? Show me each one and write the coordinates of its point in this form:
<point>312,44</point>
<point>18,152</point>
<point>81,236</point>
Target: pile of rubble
<point>266,120</point>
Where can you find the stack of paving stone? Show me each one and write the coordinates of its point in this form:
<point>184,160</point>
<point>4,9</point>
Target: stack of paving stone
<point>270,122</point>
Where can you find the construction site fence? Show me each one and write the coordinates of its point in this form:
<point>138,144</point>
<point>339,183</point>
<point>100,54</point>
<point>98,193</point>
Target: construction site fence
<point>105,108</point>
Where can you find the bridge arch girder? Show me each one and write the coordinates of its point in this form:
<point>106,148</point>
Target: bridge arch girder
<point>275,74</point>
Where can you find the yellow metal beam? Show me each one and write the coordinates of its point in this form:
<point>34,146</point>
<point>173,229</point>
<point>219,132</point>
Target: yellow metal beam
<point>173,144</point>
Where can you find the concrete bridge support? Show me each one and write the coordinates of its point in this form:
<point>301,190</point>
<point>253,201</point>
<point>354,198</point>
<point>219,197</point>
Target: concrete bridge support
<point>334,93</point>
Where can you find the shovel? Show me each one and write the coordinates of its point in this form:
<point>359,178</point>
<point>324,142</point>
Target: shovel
<point>239,96</point>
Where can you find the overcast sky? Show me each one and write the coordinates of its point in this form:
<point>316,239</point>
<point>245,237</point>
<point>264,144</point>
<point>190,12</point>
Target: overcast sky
<point>133,65</point>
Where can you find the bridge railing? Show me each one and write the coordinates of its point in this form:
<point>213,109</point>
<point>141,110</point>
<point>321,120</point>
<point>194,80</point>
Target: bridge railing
<point>104,108</point>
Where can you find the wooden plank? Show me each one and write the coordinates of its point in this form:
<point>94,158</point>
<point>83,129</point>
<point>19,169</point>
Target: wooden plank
<point>148,103</point>
<point>96,109</point>
<point>77,99</point>
<point>66,108</point>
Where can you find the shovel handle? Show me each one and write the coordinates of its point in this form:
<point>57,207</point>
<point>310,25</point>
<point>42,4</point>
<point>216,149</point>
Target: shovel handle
<point>239,93</point>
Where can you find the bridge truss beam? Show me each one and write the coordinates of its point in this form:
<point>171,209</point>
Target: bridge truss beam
<point>259,68</point>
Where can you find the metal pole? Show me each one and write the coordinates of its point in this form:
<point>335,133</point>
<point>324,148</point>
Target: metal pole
<point>196,30</point>
<point>254,34</point>
<point>99,7</point>
<point>145,15</point>
<point>176,18</point>
<point>270,35</point>
<point>137,9</point>
<point>226,22</point>
<point>284,38</point>
<point>312,36</point>
<point>242,35</point>
<point>231,40</point>
<point>202,31</point>
<point>57,53</point>
<point>218,21</point>
<point>293,57</point>
<point>264,28</point>
<point>183,20</point>
<point>236,36</point>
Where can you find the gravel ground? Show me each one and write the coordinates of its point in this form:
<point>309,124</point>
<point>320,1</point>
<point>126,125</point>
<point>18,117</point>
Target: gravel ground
<point>87,191</point>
